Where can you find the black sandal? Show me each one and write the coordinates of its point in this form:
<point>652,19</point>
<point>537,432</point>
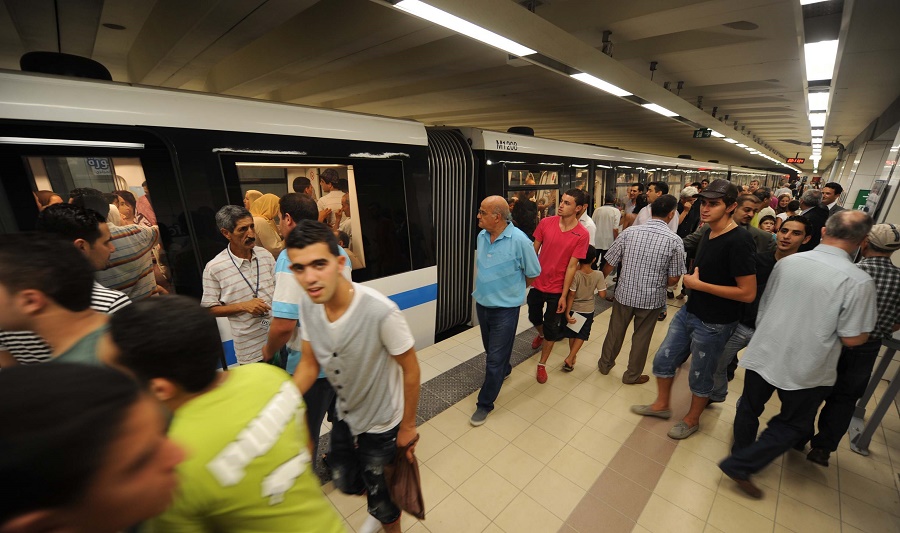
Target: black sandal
<point>567,367</point>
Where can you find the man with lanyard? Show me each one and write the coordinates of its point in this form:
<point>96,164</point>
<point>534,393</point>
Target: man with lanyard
<point>239,283</point>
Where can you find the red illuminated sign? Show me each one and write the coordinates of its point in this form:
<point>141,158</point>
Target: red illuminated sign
<point>798,160</point>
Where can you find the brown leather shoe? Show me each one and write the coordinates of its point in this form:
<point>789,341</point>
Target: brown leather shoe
<point>748,488</point>
<point>644,378</point>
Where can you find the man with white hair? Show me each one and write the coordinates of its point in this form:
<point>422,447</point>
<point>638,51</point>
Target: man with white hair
<point>811,208</point>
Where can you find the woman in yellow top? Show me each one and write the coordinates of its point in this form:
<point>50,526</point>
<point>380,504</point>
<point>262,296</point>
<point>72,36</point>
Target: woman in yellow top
<point>264,210</point>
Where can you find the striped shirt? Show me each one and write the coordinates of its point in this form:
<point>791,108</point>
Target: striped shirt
<point>130,267</point>
<point>650,254</point>
<point>887,290</point>
<point>28,348</point>
<point>502,267</point>
<point>229,280</point>
<point>812,299</point>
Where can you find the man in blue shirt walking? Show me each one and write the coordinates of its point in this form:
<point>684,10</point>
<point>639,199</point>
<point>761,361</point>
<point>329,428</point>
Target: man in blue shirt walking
<point>506,264</point>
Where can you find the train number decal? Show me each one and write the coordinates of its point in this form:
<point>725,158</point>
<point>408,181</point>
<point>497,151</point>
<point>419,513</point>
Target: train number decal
<point>510,146</point>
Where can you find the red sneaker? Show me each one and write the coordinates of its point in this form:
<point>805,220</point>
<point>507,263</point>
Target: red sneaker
<point>536,343</point>
<point>542,374</point>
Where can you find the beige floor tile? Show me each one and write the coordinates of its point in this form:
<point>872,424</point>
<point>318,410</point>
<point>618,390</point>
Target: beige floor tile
<point>539,444</point>
<point>434,489</point>
<point>661,516</point>
<point>559,425</point>
<point>609,383</point>
<point>795,463</point>
<point>801,518</point>
<point>816,495</point>
<point>515,466</point>
<point>865,467</point>
<point>731,517</point>
<point>556,493</point>
<point>637,394</point>
<point>525,514</point>
<point>493,528</point>
<point>454,515</point>
<point>527,407</point>
<point>867,518</point>
<point>468,404</point>
<point>595,444</point>
<point>576,408</point>
<point>769,477</point>
<point>506,395</point>
<point>718,428</point>
<point>548,396</point>
<point>418,527</point>
<point>452,423</point>
<point>482,442</point>
<point>695,467</point>
<point>621,493</point>
<point>577,466</point>
<point>593,515</point>
<point>357,519</point>
<point>345,504</point>
<point>464,352</point>
<point>701,444</point>
<point>427,353</point>
<point>506,423</point>
<point>885,498</point>
<point>444,362</point>
<point>454,464</point>
<point>685,493</point>
<point>431,441</point>
<point>622,408</point>
<point>765,507</point>
<point>612,425</point>
<point>488,492</point>
<point>427,372</point>
<point>520,380</point>
<point>591,394</point>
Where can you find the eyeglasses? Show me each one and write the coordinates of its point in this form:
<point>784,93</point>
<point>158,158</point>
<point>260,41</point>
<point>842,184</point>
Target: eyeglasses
<point>482,212</point>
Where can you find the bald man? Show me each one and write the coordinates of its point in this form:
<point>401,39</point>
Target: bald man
<point>506,266</point>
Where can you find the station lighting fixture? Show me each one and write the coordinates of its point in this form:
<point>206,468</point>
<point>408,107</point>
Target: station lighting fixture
<point>716,134</point>
<point>817,120</point>
<point>594,81</point>
<point>807,2</point>
<point>817,132</point>
<point>452,22</point>
<point>741,145</point>
<point>729,140</point>
<point>661,110</point>
<point>818,101</point>
<point>820,59</point>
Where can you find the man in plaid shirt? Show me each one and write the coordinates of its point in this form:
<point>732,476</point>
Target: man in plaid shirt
<point>855,364</point>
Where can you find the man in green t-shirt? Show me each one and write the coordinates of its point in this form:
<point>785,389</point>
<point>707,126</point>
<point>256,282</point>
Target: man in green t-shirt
<point>244,433</point>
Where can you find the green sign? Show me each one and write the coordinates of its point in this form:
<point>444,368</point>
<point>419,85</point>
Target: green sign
<point>702,133</point>
<point>861,198</point>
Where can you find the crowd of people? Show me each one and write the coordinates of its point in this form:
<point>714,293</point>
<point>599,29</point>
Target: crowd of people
<point>106,428</point>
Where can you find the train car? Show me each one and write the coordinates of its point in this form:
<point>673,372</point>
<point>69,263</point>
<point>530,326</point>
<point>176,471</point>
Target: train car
<point>198,152</point>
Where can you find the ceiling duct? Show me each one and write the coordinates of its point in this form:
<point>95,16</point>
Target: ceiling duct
<point>63,65</point>
<point>521,130</point>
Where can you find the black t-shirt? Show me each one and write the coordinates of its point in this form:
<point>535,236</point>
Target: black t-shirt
<point>721,260</point>
<point>765,263</point>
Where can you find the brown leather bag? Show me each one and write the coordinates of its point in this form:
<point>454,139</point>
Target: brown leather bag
<point>404,483</point>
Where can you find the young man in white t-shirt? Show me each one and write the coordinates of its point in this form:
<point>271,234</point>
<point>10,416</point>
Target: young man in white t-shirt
<point>361,341</point>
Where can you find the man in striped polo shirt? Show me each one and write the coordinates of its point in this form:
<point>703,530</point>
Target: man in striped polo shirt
<point>506,264</point>
<point>239,284</point>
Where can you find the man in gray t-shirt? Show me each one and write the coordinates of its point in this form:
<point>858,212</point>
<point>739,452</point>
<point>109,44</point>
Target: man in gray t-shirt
<point>800,362</point>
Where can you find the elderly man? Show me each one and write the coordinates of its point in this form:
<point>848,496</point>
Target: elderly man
<point>855,364</point>
<point>800,362</point>
<point>239,283</point>
<point>506,264</point>
<point>811,207</point>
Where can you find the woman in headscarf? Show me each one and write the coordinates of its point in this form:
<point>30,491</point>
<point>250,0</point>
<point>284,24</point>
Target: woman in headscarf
<point>251,196</point>
<point>265,210</point>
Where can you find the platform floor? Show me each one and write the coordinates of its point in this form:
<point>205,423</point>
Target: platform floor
<point>568,456</point>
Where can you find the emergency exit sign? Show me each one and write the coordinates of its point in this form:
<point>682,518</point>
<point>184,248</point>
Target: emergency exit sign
<point>702,133</point>
<point>797,160</point>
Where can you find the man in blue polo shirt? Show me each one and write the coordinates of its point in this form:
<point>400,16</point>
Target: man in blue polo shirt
<point>284,329</point>
<point>506,264</point>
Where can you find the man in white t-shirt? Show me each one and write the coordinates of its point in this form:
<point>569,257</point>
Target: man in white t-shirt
<point>331,199</point>
<point>606,219</point>
<point>361,341</point>
<point>583,218</point>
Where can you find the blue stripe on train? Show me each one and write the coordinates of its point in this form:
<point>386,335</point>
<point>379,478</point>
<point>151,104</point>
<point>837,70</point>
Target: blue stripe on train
<point>414,297</point>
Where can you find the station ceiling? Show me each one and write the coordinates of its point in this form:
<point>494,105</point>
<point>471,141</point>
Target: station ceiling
<point>743,57</point>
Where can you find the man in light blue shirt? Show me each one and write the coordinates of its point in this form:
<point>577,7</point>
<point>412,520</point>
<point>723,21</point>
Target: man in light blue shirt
<point>506,263</point>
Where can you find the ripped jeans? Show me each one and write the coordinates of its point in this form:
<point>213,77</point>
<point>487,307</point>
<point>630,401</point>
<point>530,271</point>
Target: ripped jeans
<point>357,467</point>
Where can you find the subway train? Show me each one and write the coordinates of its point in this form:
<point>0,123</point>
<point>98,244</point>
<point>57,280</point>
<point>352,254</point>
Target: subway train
<point>413,189</point>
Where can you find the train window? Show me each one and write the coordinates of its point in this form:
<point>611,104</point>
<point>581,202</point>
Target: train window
<point>126,204</point>
<point>533,195</point>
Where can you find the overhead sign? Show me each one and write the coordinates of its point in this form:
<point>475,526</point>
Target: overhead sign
<point>797,160</point>
<point>702,133</point>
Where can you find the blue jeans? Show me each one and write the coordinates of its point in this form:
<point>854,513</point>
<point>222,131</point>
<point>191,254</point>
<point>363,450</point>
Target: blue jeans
<point>498,331</point>
<point>688,335</point>
<point>737,342</point>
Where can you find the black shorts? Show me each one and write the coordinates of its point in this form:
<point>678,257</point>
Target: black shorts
<point>585,332</point>
<point>542,311</point>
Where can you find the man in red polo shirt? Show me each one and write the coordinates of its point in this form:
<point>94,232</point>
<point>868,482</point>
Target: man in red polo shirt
<point>560,241</point>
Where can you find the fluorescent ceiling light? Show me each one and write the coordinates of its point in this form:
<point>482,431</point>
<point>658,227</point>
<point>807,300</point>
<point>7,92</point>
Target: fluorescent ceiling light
<point>817,134</point>
<point>807,2</point>
<point>69,142</point>
<point>600,84</point>
<point>717,134</point>
<point>820,58</point>
<point>818,101</point>
<point>442,18</point>
<point>741,145</point>
<point>817,120</point>
<point>661,110</point>
<point>729,140</point>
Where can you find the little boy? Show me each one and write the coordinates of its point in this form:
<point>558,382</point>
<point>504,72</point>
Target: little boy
<point>580,299</point>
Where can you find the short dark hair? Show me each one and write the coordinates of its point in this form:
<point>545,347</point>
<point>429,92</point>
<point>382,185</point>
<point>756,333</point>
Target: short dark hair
<point>128,197</point>
<point>746,197</point>
<point>762,194</point>
<point>68,221</point>
<point>301,184</point>
<point>59,420</point>
<point>299,206</point>
<point>836,187</point>
<point>309,232</point>
<point>90,199</point>
<point>343,185</point>
<point>185,349</point>
<point>793,205</point>
<point>329,176</point>
<point>343,239</point>
<point>807,226</point>
<point>49,264</point>
<point>590,257</point>
<point>695,184</point>
<point>640,202</point>
<point>663,205</point>
<point>580,197</point>
<point>659,186</point>
<point>639,185</point>
<point>766,218</point>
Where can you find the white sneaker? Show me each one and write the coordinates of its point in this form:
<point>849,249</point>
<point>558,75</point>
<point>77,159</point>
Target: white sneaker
<point>371,525</point>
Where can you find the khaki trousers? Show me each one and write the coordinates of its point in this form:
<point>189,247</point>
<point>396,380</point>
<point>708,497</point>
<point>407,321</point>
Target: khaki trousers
<point>644,323</point>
